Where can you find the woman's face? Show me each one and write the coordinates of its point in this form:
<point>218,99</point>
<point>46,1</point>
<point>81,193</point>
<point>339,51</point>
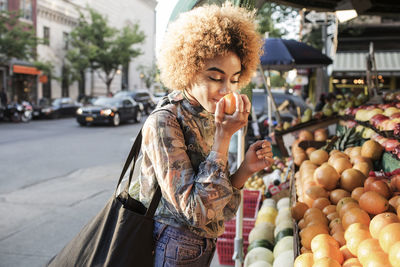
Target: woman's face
<point>219,77</point>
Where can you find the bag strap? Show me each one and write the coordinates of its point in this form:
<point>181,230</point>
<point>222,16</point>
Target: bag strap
<point>133,155</point>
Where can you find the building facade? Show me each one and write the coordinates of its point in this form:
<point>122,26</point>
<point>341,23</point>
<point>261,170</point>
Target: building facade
<point>57,18</point>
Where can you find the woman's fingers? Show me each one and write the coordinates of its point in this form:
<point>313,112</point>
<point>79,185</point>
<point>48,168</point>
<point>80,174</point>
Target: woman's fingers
<point>247,103</point>
<point>219,111</point>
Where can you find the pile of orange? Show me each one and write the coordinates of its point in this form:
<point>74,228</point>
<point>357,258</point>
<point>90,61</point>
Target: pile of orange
<point>351,222</point>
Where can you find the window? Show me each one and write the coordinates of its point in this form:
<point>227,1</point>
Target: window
<point>65,40</point>
<point>3,5</point>
<point>46,35</point>
<point>26,9</point>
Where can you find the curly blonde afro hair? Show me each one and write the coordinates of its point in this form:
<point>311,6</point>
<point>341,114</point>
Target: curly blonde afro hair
<point>204,33</point>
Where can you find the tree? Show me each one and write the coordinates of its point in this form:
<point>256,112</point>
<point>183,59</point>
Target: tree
<point>271,14</point>
<point>314,37</point>
<point>118,51</point>
<point>17,40</point>
<point>100,47</point>
<point>149,74</point>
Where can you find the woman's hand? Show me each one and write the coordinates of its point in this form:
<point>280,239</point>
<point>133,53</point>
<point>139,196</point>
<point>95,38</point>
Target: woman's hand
<point>226,124</point>
<point>258,156</point>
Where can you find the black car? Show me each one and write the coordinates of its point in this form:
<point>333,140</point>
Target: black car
<point>141,96</point>
<point>110,110</point>
<point>60,107</point>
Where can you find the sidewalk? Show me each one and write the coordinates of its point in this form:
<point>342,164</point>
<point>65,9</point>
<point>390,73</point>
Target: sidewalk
<point>38,220</point>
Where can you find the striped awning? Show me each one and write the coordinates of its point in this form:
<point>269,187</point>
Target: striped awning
<point>386,62</point>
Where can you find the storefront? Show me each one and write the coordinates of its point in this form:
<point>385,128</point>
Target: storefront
<point>24,80</point>
<point>349,71</point>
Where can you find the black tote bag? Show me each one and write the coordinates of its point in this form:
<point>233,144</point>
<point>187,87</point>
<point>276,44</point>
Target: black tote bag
<point>120,235</point>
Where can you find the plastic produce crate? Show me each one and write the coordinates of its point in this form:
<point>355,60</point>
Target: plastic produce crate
<point>230,228</point>
<point>225,249</point>
<point>251,203</point>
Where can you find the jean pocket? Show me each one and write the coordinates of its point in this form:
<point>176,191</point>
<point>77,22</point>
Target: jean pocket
<point>182,252</point>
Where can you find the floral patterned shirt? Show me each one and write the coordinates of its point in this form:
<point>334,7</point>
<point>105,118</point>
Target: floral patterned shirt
<point>197,193</point>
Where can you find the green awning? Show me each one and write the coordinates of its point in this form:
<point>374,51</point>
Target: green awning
<point>182,6</point>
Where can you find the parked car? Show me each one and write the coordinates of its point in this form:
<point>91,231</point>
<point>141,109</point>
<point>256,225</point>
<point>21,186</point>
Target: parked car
<point>60,107</point>
<point>259,102</point>
<point>141,96</point>
<point>110,110</point>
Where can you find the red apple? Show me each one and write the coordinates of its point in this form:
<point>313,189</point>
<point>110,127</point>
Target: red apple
<point>395,115</point>
<point>377,119</point>
<point>390,144</point>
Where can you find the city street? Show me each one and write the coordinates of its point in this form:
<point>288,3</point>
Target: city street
<point>55,176</point>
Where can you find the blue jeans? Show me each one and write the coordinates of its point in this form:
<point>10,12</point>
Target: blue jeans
<point>180,247</point>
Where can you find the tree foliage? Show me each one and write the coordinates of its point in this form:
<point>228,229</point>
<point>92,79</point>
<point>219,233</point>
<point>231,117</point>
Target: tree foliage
<point>271,14</point>
<point>17,39</point>
<point>101,47</point>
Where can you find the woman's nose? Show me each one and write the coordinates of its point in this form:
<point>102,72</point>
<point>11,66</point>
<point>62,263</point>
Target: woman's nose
<point>225,89</point>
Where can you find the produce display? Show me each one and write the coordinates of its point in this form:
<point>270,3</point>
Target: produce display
<point>338,106</point>
<point>342,209</point>
<point>345,211</point>
<point>271,239</point>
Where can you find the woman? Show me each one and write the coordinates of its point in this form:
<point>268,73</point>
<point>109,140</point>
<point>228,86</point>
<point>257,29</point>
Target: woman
<point>207,53</point>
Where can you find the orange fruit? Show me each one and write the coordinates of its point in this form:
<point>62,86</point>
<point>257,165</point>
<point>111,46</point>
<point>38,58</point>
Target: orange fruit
<point>377,259</point>
<point>394,254</point>
<point>304,260</point>
<point>316,218</point>
<point>365,248</point>
<point>332,216</point>
<point>340,164</point>
<point>337,195</point>
<point>368,182</point>
<point>355,240</point>
<point>394,201</point>
<point>352,262</point>
<point>355,227</point>
<point>339,237</point>
<point>351,178</point>
<point>346,253</point>
<point>355,215</point>
<point>373,203</point>
<point>302,224</point>
<point>321,203</point>
<point>323,239</point>
<point>382,188</point>
<point>326,262</point>
<point>356,151</point>
<point>319,156</point>
<point>329,209</point>
<point>363,167</point>
<point>298,210</point>
<point>336,228</point>
<point>326,176</point>
<point>309,232</point>
<point>230,103</point>
<point>346,207</point>
<point>334,222</point>
<point>381,220</point>
<point>389,235</point>
<point>343,201</point>
<point>357,192</point>
<point>328,252</point>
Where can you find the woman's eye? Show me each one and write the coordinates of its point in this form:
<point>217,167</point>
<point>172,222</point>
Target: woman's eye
<point>234,81</point>
<point>214,79</point>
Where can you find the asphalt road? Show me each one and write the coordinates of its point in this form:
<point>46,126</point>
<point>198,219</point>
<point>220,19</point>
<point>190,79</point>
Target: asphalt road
<point>46,149</point>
